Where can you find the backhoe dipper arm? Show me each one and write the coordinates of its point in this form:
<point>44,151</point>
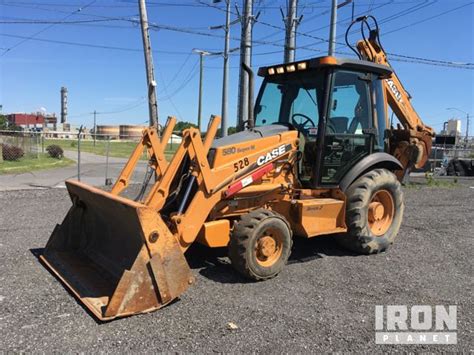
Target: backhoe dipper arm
<point>412,144</point>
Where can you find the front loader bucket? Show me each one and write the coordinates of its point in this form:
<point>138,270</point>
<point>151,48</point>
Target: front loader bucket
<point>116,255</point>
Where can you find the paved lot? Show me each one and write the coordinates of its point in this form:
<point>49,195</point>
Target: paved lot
<point>323,301</point>
<point>93,171</point>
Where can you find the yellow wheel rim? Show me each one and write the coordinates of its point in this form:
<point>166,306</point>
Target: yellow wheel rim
<point>268,247</point>
<point>381,212</point>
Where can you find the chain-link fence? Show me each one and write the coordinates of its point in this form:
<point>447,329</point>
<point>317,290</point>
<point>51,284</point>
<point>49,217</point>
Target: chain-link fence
<point>16,145</point>
<point>94,159</point>
<point>452,159</point>
<point>98,159</point>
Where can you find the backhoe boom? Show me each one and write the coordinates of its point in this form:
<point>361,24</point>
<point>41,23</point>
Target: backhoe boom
<point>412,144</point>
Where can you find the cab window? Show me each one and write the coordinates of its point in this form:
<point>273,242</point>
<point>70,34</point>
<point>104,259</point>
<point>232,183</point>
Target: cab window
<point>292,98</point>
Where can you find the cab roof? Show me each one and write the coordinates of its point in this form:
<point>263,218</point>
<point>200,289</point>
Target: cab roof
<point>327,61</point>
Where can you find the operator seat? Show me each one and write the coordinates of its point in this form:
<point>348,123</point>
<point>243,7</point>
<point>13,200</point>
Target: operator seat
<point>361,111</point>
<point>340,124</point>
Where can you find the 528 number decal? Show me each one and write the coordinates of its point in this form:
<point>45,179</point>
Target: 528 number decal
<point>241,164</point>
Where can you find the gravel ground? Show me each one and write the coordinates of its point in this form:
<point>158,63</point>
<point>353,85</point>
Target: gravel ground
<point>323,301</point>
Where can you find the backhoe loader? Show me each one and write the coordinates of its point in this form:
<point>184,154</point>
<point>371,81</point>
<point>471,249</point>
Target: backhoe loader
<point>317,157</point>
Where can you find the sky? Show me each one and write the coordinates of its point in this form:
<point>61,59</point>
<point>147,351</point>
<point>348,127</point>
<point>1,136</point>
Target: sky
<point>98,55</point>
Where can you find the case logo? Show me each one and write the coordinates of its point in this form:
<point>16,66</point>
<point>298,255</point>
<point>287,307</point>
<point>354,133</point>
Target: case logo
<point>394,89</point>
<point>274,153</point>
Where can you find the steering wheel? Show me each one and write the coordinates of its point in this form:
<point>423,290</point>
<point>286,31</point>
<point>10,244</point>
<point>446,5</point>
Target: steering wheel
<point>306,120</point>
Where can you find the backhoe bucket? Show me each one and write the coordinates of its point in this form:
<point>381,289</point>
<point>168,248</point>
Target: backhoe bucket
<point>116,255</point>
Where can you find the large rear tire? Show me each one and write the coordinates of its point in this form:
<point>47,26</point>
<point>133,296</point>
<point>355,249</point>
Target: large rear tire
<point>260,244</point>
<point>374,212</point>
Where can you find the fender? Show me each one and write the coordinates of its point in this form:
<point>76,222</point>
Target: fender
<point>375,160</point>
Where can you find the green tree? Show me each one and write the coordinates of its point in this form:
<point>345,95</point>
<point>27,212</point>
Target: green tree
<point>182,125</point>
<point>3,122</point>
<point>5,125</point>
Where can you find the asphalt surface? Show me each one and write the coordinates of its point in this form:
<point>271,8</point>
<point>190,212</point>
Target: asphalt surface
<point>323,301</point>
<point>93,171</point>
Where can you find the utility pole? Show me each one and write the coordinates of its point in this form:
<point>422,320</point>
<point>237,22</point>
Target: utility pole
<point>291,22</point>
<point>225,54</point>
<point>333,24</point>
<point>332,29</point>
<point>225,76</point>
<point>95,127</point>
<point>245,57</point>
<point>201,74</point>
<point>467,131</point>
<point>150,76</point>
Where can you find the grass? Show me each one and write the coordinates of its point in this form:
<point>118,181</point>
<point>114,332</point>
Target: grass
<point>431,181</point>
<point>29,163</point>
<point>118,149</point>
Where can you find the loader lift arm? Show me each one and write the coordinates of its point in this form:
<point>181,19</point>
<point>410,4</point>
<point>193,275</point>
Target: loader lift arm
<point>411,144</point>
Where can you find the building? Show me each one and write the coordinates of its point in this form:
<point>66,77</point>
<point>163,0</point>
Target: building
<point>452,128</point>
<point>35,121</point>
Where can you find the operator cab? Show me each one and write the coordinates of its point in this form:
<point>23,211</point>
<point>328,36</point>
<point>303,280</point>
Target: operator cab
<point>337,105</point>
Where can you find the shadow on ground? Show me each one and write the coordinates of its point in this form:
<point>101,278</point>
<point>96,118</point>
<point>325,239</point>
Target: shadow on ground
<point>215,265</point>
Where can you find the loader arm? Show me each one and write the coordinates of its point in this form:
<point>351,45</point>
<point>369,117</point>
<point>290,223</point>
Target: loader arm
<point>155,150</point>
<point>410,144</point>
<point>121,256</point>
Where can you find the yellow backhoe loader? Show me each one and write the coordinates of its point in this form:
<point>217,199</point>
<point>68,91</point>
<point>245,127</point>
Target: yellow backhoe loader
<point>317,158</point>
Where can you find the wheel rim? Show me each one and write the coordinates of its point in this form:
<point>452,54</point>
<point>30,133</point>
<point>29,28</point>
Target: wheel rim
<point>269,247</point>
<point>381,212</point>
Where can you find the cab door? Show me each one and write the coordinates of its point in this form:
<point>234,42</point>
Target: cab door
<point>349,132</point>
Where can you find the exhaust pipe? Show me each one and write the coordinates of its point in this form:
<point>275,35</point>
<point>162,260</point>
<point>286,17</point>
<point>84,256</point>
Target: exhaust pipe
<point>251,121</point>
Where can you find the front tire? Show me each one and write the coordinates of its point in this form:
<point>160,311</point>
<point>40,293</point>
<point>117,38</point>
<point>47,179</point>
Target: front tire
<point>374,212</point>
<point>260,244</point>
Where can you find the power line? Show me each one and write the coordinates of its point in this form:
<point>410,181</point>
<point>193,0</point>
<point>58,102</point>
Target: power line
<point>413,59</point>
<point>127,108</point>
<point>90,45</point>
<point>46,28</point>
<point>192,73</point>
<point>128,4</point>
<point>132,19</point>
<point>429,18</point>
<point>166,87</point>
<point>345,20</point>
<point>97,46</point>
<point>381,21</point>
<point>134,105</point>
<point>52,10</point>
<point>166,92</point>
<point>258,42</point>
<point>58,22</point>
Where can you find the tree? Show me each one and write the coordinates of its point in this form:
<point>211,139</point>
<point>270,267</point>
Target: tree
<point>231,130</point>
<point>3,122</point>
<point>182,125</point>
<point>6,125</point>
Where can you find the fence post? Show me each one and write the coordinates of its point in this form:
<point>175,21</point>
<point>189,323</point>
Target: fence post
<point>42,142</point>
<point>79,154</point>
<point>108,181</point>
<point>37,144</point>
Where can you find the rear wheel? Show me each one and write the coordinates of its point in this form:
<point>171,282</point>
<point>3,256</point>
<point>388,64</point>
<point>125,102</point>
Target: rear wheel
<point>374,212</point>
<point>260,244</point>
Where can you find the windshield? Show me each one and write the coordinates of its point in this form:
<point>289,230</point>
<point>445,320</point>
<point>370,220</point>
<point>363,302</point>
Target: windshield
<point>291,98</point>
